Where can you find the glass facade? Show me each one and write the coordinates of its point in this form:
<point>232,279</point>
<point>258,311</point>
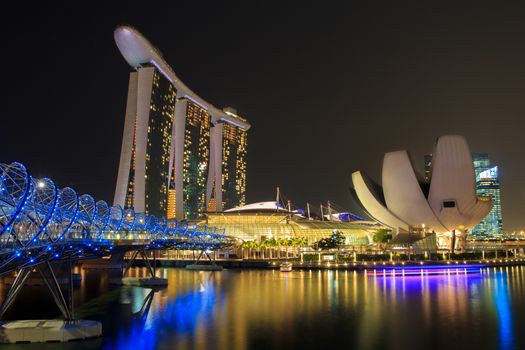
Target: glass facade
<point>261,226</point>
<point>160,122</point>
<point>153,126</point>
<point>196,160</point>
<point>161,118</point>
<point>234,144</point>
<point>481,162</point>
<point>428,165</point>
<point>487,184</point>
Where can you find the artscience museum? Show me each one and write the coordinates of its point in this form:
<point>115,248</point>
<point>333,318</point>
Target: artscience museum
<point>443,208</point>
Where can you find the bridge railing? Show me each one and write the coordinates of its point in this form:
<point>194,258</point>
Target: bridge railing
<point>39,221</point>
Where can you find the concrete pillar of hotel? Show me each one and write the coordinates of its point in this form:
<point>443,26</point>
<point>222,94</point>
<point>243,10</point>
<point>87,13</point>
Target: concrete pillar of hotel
<point>215,170</point>
<point>126,150</point>
<point>145,81</point>
<point>179,129</point>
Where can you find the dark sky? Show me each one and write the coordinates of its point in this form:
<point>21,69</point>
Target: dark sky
<point>327,88</point>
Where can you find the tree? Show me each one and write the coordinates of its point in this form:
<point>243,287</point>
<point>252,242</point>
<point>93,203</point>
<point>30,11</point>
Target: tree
<point>323,244</point>
<point>382,236</point>
<point>338,239</point>
<point>335,241</point>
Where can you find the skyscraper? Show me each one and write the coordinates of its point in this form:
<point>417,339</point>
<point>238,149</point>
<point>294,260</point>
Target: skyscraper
<point>428,165</point>
<point>487,184</point>
<point>234,144</point>
<point>174,158</point>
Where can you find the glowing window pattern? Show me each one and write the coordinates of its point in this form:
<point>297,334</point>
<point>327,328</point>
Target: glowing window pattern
<point>234,142</point>
<point>161,118</point>
<point>196,160</point>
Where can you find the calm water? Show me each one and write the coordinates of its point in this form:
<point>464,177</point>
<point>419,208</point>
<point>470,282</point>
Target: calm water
<point>262,309</point>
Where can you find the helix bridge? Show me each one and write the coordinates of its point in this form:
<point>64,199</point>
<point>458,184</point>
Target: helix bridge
<point>41,224</point>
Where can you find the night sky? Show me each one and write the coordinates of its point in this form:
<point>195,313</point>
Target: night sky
<point>328,89</point>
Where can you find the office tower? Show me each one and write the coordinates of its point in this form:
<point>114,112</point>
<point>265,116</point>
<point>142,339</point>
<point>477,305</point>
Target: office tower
<point>428,164</point>
<point>487,184</point>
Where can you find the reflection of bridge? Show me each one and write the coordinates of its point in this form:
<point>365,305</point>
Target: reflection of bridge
<point>41,226</point>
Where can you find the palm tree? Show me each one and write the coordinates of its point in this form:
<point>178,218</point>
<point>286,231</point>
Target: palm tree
<point>300,242</point>
<point>281,242</point>
<point>245,245</point>
<point>250,245</point>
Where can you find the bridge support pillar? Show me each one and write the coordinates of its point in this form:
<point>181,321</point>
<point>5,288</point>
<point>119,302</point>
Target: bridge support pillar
<point>19,282</point>
<point>46,330</point>
<point>152,281</point>
<point>211,266</point>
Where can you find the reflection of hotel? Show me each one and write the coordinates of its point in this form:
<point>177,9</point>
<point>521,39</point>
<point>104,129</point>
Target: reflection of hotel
<point>180,155</point>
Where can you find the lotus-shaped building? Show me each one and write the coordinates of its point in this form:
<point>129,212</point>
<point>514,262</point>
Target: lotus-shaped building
<point>446,205</point>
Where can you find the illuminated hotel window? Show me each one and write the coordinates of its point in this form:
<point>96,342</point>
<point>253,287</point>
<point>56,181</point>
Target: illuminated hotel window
<point>233,166</point>
<point>196,160</point>
<point>161,118</point>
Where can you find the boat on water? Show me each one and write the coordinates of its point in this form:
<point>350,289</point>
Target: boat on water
<point>285,267</point>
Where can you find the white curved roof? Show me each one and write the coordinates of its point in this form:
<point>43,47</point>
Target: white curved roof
<point>263,206</point>
<point>454,179</point>
<point>452,202</point>
<point>137,51</point>
<point>403,194</point>
<point>373,205</point>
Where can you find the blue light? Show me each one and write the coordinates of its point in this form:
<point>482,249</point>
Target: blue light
<point>502,302</point>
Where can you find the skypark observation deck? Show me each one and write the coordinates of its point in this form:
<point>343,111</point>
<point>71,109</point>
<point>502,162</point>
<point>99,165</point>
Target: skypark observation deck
<point>40,223</point>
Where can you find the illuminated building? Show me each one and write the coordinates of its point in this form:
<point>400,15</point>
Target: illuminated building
<point>266,220</point>
<point>487,185</point>
<point>172,161</point>
<point>428,164</point>
<point>447,207</point>
<point>234,144</point>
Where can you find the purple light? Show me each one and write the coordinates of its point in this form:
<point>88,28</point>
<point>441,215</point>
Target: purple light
<point>426,270</point>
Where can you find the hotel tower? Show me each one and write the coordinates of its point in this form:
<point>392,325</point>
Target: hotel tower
<point>180,156</point>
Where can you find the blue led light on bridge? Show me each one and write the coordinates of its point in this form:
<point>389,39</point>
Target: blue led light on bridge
<point>38,217</point>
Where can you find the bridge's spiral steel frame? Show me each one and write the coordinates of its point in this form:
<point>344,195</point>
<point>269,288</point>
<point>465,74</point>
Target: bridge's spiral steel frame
<point>40,222</point>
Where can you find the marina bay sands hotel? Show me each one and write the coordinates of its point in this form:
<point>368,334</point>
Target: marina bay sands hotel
<point>181,156</point>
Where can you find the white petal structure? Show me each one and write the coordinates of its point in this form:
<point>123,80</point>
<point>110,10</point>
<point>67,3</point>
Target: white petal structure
<point>403,194</point>
<point>374,204</point>
<point>452,203</point>
<point>452,193</point>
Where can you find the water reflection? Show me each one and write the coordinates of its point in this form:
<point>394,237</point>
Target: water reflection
<point>261,309</point>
